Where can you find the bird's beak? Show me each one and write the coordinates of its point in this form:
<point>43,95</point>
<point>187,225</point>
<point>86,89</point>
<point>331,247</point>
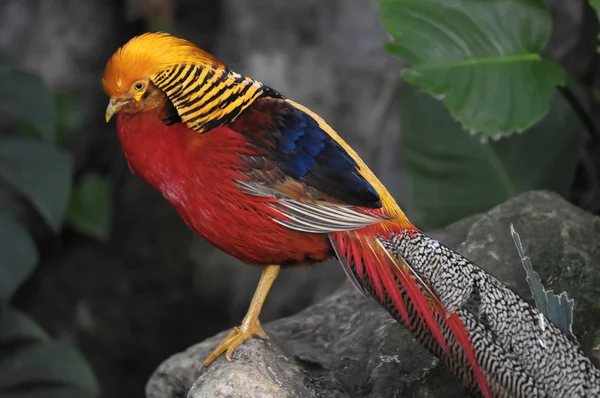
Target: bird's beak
<point>114,105</point>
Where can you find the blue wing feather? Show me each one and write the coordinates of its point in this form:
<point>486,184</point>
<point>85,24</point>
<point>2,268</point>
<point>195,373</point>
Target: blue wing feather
<point>291,144</point>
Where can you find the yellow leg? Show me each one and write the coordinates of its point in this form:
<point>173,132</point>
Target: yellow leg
<point>250,325</point>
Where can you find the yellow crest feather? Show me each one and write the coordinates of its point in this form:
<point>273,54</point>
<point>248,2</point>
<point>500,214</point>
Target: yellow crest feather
<point>145,55</point>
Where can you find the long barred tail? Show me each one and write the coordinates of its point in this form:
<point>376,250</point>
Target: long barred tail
<point>392,282</point>
<point>494,341</point>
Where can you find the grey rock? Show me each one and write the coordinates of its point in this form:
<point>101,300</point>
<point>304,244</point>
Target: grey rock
<point>348,346</point>
<point>563,243</point>
<point>345,352</point>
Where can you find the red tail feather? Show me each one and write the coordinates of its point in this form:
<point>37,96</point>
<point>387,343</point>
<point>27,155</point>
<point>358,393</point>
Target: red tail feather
<point>357,261</point>
<point>415,294</point>
<point>394,292</point>
<point>383,271</point>
<point>370,263</point>
<point>462,336</point>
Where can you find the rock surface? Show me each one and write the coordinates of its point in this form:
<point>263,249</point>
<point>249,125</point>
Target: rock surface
<point>348,346</point>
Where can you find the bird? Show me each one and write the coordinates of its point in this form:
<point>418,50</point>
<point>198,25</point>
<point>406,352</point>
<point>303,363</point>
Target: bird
<point>269,182</point>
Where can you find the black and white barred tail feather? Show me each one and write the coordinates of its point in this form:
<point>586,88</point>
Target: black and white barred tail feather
<point>521,353</point>
<point>395,285</point>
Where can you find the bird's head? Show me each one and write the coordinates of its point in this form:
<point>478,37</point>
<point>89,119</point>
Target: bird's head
<point>129,74</point>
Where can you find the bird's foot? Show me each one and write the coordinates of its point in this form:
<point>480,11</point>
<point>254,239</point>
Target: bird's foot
<point>237,336</point>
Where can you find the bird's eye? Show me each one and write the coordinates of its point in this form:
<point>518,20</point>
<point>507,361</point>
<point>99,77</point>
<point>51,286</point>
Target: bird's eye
<point>139,86</point>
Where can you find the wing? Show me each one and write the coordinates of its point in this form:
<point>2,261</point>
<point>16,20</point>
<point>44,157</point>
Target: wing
<point>318,185</point>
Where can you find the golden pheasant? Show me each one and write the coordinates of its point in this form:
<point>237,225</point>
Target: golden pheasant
<point>269,182</point>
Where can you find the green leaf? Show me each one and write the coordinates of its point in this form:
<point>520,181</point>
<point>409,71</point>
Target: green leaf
<point>18,256</point>
<point>557,308</point>
<point>41,172</point>
<point>481,57</point>
<point>17,326</point>
<point>52,362</point>
<point>26,96</point>
<point>451,174</point>
<point>90,207</point>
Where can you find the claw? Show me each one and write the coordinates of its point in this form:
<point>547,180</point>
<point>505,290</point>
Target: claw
<point>250,325</point>
<point>233,340</point>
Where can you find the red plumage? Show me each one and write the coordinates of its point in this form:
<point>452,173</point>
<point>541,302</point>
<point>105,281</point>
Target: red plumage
<point>196,173</point>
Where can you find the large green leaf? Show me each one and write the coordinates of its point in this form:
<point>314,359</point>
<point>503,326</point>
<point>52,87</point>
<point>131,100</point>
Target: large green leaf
<point>47,363</point>
<point>452,174</point>
<point>18,256</point>
<point>17,326</point>
<point>90,206</point>
<point>41,172</point>
<point>28,98</point>
<point>481,57</point>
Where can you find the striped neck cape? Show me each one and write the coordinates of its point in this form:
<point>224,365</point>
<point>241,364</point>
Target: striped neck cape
<point>208,96</point>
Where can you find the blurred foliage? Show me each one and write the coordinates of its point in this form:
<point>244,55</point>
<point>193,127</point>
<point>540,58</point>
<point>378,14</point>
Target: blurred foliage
<point>93,192</point>
<point>452,174</point>
<point>596,5</point>
<point>18,256</point>
<point>31,365</point>
<point>483,78</point>
<point>70,114</point>
<point>24,92</point>
<point>40,171</point>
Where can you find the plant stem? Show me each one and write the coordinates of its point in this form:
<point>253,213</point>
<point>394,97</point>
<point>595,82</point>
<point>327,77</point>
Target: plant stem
<point>582,114</point>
